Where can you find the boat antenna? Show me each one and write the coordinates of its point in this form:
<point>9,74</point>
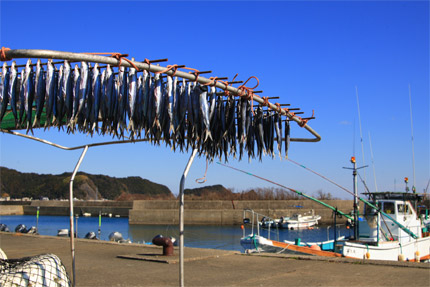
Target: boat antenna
<point>373,164</point>
<point>412,137</point>
<point>361,132</point>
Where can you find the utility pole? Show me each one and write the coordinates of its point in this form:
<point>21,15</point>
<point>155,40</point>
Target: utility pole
<point>356,212</point>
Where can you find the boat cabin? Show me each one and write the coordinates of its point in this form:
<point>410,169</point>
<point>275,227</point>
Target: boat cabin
<point>397,208</point>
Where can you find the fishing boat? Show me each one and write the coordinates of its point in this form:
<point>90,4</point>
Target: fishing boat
<point>390,229</point>
<point>299,221</point>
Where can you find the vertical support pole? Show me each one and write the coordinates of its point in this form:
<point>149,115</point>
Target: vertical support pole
<point>334,228</point>
<point>100,223</point>
<point>181,217</point>
<point>37,219</point>
<point>72,231</point>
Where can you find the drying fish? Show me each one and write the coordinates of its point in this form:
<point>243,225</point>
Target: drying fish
<point>204,109</point>
<point>13,92</point>
<point>28,94</point>
<point>67,92</point>
<point>39,93</point>
<point>287,137</point>
<point>4,94</point>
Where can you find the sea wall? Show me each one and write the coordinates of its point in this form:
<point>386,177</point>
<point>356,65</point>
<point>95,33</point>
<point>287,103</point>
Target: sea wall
<point>210,212</point>
<point>11,210</point>
<point>227,212</point>
<point>56,207</point>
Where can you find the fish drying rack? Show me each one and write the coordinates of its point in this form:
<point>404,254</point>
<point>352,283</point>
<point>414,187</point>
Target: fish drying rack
<point>118,60</point>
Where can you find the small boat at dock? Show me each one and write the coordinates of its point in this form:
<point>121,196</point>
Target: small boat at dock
<point>299,221</point>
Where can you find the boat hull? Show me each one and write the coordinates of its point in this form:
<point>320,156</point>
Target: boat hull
<point>391,250</point>
<point>410,251</point>
<point>256,243</point>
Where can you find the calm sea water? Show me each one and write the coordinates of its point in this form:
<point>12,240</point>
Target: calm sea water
<point>201,236</point>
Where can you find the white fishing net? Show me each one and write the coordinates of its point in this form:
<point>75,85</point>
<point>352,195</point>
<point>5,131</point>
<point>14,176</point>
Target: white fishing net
<point>45,270</point>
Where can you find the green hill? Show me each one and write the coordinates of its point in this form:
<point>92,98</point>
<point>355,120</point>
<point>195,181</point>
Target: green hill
<point>86,186</point>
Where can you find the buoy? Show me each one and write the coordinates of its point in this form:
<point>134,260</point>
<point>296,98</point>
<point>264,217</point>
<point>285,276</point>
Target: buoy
<point>367,255</point>
<point>315,247</point>
<point>242,227</point>
<point>401,257</point>
<point>417,256</point>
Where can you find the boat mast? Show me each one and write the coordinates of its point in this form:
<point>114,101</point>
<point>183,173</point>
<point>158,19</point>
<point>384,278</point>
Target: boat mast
<point>412,137</point>
<point>361,132</point>
<point>354,175</point>
<point>373,164</point>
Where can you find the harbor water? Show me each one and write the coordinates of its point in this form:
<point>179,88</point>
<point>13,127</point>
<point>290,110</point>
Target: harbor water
<point>225,237</point>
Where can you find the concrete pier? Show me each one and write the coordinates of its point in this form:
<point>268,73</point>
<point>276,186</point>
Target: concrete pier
<point>111,264</point>
<point>228,212</point>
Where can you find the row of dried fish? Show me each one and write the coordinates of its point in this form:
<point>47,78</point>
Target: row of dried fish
<point>159,108</point>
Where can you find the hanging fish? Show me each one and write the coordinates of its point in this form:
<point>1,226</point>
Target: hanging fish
<point>59,101</point>
<point>39,95</point>
<point>13,92</point>
<point>122,100</point>
<point>22,99</point>
<point>145,98</point>
<point>76,100</point>
<point>109,96</point>
<point>28,94</point>
<point>287,137</point>
<point>50,90</point>
<point>204,109</point>
<point>170,103</point>
<point>96,89</point>
<point>258,124</point>
<point>182,104</point>
<point>138,114</point>
<point>4,93</point>
<point>132,95</point>
<point>176,103</point>
<point>212,103</point>
<point>157,102</point>
<point>278,129</point>
<point>240,127</point>
<point>67,94</point>
<point>244,109</point>
<point>83,88</point>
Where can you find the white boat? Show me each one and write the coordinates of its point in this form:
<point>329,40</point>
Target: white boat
<point>391,231</point>
<point>299,221</point>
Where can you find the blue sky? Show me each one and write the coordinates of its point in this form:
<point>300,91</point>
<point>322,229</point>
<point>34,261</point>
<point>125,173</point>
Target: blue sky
<point>313,55</point>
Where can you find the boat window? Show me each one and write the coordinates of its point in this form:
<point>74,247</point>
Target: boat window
<point>389,207</point>
<point>403,209</point>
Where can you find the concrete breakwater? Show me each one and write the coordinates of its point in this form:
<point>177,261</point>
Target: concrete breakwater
<point>211,212</point>
<point>61,208</point>
<point>227,212</point>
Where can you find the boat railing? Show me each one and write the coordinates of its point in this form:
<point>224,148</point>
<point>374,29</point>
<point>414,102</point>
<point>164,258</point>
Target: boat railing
<point>338,226</point>
<point>257,220</point>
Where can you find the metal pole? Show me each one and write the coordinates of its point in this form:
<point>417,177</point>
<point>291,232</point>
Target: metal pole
<point>72,233</point>
<point>100,223</point>
<point>181,217</point>
<point>37,219</point>
<point>50,54</point>
<point>412,138</point>
<point>354,174</point>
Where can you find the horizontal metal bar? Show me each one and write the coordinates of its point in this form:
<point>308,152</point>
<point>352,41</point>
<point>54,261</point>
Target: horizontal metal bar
<point>50,54</point>
<point>70,148</point>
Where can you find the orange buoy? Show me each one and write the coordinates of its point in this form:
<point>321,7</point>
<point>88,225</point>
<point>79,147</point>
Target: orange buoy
<point>242,227</point>
<point>315,247</point>
<point>367,255</point>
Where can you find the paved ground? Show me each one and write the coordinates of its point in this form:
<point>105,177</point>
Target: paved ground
<point>98,264</point>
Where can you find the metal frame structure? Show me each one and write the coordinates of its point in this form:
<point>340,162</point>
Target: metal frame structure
<point>76,57</point>
<point>8,54</point>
